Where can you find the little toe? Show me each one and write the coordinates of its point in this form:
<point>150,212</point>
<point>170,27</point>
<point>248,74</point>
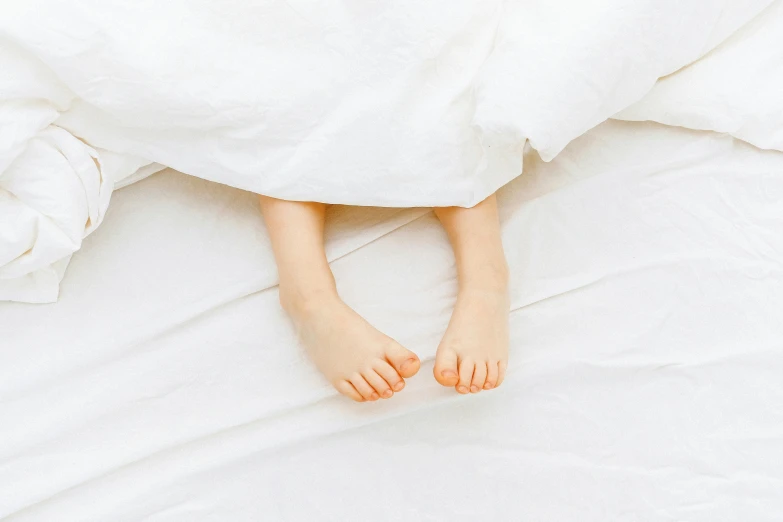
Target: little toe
<point>363,387</point>
<point>492,375</point>
<point>378,383</point>
<point>479,377</point>
<point>445,370</point>
<point>346,388</point>
<point>466,368</point>
<point>389,374</point>
<point>403,360</point>
<point>502,365</point>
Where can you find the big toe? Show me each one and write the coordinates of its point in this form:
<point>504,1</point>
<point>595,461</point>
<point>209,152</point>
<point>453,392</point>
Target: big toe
<point>404,361</point>
<point>446,367</point>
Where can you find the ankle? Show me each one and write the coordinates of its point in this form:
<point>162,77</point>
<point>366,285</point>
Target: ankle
<point>485,277</point>
<point>298,300</point>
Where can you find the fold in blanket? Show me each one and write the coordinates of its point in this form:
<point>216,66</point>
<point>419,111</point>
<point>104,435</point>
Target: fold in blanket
<point>404,104</point>
<point>54,188</point>
<point>737,88</point>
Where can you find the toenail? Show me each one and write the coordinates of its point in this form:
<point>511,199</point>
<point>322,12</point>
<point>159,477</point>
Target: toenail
<point>374,396</point>
<point>488,386</point>
<point>462,389</point>
<point>474,389</point>
<point>387,394</point>
<point>399,386</point>
<point>407,364</point>
<point>448,373</point>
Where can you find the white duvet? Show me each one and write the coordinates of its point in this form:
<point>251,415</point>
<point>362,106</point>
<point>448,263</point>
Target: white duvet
<point>369,103</point>
<point>167,386</point>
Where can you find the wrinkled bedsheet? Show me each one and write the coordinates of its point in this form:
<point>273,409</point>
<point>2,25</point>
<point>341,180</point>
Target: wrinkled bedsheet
<point>401,104</point>
<point>644,383</point>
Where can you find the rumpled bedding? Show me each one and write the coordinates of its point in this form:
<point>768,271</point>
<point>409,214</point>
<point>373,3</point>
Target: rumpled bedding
<point>54,187</point>
<point>167,385</point>
<point>737,88</point>
<point>390,104</point>
<point>643,236</point>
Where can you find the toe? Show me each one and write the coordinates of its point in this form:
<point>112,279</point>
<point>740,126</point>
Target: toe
<point>378,384</point>
<point>389,374</point>
<point>479,377</point>
<point>466,367</point>
<point>501,372</point>
<point>346,388</point>
<point>492,375</point>
<point>446,367</point>
<point>364,388</point>
<point>403,360</point>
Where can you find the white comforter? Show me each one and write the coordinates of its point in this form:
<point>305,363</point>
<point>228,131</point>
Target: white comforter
<point>389,103</point>
<point>647,291</point>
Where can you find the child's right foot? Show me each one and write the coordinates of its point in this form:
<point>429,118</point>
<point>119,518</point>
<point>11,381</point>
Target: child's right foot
<point>357,359</point>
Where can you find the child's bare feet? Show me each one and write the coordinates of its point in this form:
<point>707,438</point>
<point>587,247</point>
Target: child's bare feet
<point>357,359</point>
<point>474,352</point>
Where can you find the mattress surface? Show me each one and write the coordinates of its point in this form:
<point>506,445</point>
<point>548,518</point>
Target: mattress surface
<point>644,382</point>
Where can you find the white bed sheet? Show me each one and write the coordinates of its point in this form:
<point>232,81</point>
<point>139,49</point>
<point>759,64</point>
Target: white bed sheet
<point>644,383</point>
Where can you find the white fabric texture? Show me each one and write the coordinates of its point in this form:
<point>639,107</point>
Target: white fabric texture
<point>386,103</point>
<point>54,188</point>
<point>558,68</point>
<point>644,377</point>
<point>166,383</point>
<point>737,88</point>
<point>374,104</point>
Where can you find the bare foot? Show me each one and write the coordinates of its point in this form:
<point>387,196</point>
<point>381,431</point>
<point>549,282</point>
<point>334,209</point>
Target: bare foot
<point>474,351</point>
<point>357,359</point>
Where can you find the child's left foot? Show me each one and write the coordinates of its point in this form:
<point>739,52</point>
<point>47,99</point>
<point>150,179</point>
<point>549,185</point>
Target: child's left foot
<point>474,352</point>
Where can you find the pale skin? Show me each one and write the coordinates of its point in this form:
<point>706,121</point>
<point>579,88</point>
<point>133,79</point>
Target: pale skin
<point>360,361</point>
